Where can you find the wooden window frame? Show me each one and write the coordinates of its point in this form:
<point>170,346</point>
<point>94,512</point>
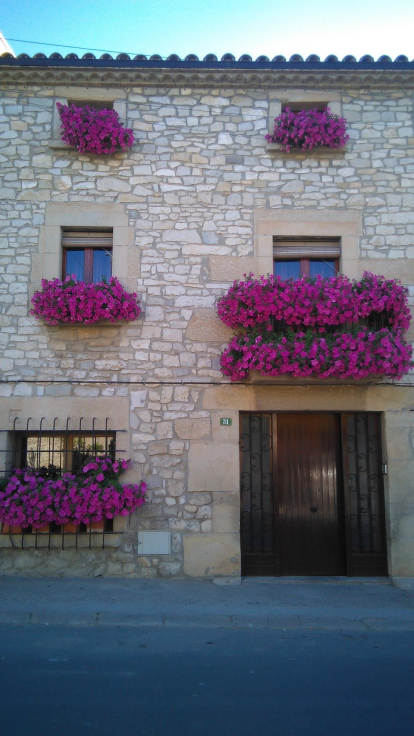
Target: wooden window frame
<point>305,263</point>
<point>67,451</point>
<point>81,242</point>
<point>88,263</point>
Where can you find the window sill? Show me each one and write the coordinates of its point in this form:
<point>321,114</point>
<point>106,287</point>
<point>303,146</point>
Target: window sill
<point>256,378</point>
<point>98,323</point>
<point>318,151</point>
<point>19,541</point>
<point>58,145</point>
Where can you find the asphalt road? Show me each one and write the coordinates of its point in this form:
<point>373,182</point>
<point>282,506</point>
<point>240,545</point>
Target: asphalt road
<point>108,681</point>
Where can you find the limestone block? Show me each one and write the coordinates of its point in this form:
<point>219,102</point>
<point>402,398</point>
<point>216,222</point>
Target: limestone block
<point>402,520</point>
<point>400,481</point>
<point>112,184</point>
<point>227,268</point>
<point>181,236</point>
<point>391,268</point>
<point>400,444</point>
<point>188,429</point>
<point>205,326</point>
<point>402,557</point>
<point>213,467</point>
<point>199,499</point>
<point>226,519</point>
<point>210,555</point>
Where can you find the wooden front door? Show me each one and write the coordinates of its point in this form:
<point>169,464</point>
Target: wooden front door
<point>311,494</point>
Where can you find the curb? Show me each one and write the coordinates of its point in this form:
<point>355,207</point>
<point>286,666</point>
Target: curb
<point>163,620</point>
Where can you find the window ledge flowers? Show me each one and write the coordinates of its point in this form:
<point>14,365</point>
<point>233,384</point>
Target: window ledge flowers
<point>31,498</point>
<point>356,354</point>
<point>93,131</point>
<point>75,302</point>
<point>312,327</point>
<point>308,129</point>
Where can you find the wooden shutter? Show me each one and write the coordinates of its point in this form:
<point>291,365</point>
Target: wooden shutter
<point>87,238</point>
<point>310,248</point>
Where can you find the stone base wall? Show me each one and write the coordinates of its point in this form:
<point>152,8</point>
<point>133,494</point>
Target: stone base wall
<point>193,479</point>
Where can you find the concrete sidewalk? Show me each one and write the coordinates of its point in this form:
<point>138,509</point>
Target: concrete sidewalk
<point>277,603</point>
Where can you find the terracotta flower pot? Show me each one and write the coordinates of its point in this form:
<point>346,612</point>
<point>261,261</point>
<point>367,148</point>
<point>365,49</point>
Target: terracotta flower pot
<point>42,529</point>
<point>98,525</point>
<point>70,528</point>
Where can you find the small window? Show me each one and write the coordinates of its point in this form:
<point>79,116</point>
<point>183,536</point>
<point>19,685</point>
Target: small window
<point>294,257</point>
<point>57,453</point>
<point>95,104</point>
<point>87,255</point>
<point>299,106</point>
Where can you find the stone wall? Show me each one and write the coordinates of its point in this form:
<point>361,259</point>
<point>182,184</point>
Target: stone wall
<point>192,187</point>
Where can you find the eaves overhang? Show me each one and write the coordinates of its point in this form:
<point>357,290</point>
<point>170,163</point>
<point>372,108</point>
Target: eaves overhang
<point>138,72</point>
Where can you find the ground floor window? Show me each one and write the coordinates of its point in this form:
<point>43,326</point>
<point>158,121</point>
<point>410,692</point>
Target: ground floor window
<point>54,453</point>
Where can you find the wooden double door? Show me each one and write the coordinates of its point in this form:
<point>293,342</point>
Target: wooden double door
<point>311,494</point>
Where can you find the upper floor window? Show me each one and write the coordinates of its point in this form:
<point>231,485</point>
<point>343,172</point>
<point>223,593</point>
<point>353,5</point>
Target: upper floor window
<point>87,254</point>
<point>296,257</point>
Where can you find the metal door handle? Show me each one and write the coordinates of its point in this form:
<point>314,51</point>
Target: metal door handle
<point>314,509</point>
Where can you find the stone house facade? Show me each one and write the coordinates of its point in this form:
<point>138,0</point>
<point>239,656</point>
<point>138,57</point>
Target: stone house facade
<point>194,204</point>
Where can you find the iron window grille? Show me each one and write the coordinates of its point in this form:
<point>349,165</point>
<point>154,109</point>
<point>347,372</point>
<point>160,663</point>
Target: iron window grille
<point>55,452</point>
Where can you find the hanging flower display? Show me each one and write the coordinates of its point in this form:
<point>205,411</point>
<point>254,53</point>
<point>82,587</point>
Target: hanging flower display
<point>314,301</point>
<point>354,354</point>
<point>311,326</point>
<point>93,131</point>
<point>308,129</point>
<point>72,301</point>
<point>31,498</point>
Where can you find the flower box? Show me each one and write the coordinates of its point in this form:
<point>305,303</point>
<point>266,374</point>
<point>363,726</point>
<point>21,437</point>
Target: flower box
<point>314,302</point>
<point>95,493</point>
<point>345,354</point>
<point>74,302</point>
<point>256,378</point>
<point>90,130</point>
<point>308,129</point>
<point>311,328</point>
<point>322,151</point>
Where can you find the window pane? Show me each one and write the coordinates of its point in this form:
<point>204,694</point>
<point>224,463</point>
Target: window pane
<point>102,264</point>
<point>75,263</point>
<point>87,447</point>
<point>43,452</point>
<point>322,268</point>
<point>287,269</point>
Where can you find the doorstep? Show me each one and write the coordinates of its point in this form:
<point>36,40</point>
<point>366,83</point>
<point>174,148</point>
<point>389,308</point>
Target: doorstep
<point>318,580</point>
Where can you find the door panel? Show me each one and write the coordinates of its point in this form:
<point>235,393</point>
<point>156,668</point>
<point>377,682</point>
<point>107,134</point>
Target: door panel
<point>363,483</point>
<point>257,502</point>
<point>309,497</point>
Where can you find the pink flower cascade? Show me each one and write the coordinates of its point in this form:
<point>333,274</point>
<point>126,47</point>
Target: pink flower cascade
<point>73,301</point>
<point>96,493</point>
<point>308,129</point>
<point>357,354</point>
<point>314,301</point>
<point>93,131</point>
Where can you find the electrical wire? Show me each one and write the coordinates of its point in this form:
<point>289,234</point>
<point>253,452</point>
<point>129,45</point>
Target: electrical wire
<point>79,48</point>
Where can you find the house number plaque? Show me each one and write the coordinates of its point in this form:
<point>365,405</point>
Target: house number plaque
<point>226,422</point>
